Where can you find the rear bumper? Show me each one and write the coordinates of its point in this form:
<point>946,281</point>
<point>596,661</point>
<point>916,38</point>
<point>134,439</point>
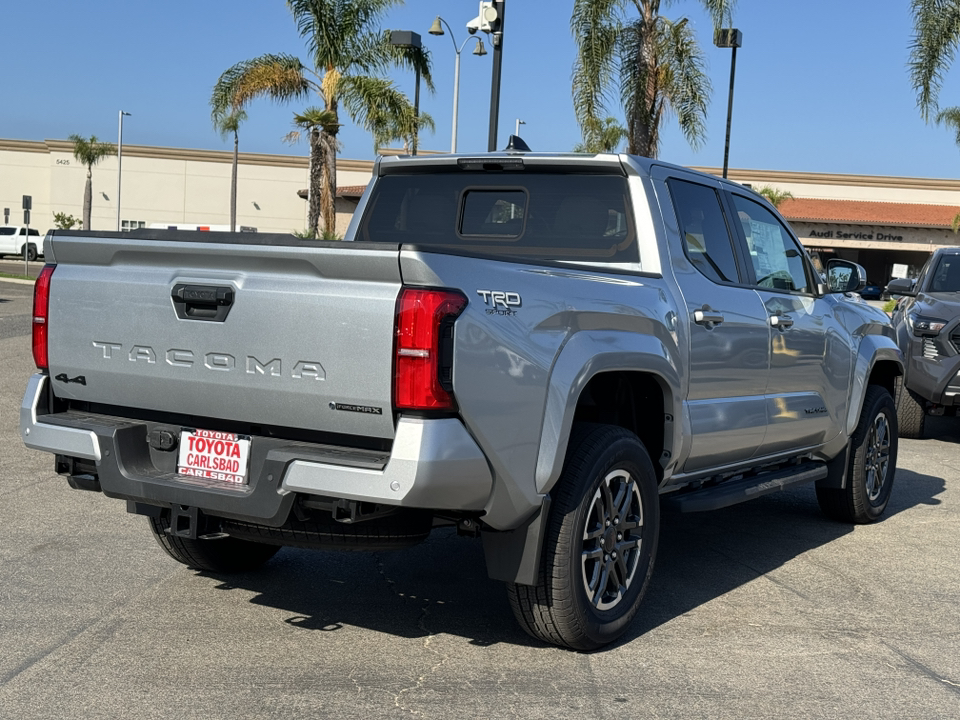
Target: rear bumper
<point>434,464</point>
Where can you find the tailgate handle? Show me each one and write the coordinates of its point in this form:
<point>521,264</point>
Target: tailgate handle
<point>202,302</point>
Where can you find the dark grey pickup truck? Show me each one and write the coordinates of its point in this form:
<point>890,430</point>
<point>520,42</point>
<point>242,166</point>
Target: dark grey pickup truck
<point>538,349</point>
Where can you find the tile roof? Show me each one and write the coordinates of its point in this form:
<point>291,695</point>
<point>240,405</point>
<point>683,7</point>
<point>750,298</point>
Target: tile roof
<point>344,191</point>
<point>863,212</point>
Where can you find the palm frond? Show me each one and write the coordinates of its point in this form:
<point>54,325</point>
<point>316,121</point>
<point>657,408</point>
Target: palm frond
<point>228,123</point>
<point>936,25</point>
<point>278,77</point>
<point>410,58</point>
<point>774,196</point>
<point>314,117</point>
<point>951,118</point>
<point>340,33</point>
<point>377,105</point>
<point>683,81</point>
<point>721,12</point>
<point>596,27</point>
<point>90,151</point>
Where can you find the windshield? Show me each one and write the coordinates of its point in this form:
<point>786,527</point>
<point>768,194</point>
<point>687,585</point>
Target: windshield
<point>946,278</point>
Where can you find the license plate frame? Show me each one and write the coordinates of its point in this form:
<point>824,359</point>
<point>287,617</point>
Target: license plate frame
<point>214,455</point>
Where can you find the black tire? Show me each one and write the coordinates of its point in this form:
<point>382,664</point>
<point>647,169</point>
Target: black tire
<point>873,464</point>
<point>219,555</point>
<point>595,568</point>
<point>911,411</point>
<point>30,251</point>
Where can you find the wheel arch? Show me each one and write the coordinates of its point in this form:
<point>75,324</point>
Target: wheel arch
<point>879,362</point>
<point>620,379</point>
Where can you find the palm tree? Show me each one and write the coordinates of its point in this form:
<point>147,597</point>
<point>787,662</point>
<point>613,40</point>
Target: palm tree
<point>936,25</point>
<point>347,50</point>
<point>387,127</point>
<point>774,197</point>
<point>89,152</point>
<point>655,63</point>
<point>603,139</point>
<point>228,123</point>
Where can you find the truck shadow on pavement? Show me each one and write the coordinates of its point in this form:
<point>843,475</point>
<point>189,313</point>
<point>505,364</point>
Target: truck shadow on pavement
<point>441,585</point>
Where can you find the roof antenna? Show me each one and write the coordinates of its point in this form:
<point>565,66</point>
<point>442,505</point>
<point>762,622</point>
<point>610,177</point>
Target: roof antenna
<point>516,144</point>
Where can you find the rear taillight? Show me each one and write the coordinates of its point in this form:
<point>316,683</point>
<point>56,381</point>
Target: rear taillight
<point>424,348</point>
<point>41,310</point>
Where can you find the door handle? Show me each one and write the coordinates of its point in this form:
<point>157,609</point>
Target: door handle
<point>781,322</point>
<point>707,318</point>
<point>202,302</point>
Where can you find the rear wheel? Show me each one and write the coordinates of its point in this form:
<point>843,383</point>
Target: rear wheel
<point>600,544</point>
<point>220,555</point>
<point>873,463</point>
<point>911,411</point>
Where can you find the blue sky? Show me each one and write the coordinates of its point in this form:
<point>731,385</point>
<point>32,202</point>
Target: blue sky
<point>820,86</point>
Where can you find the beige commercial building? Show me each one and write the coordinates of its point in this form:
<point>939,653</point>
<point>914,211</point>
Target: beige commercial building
<point>880,222</point>
<point>167,185</point>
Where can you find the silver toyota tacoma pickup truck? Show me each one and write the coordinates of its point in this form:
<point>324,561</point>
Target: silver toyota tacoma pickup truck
<point>538,349</point>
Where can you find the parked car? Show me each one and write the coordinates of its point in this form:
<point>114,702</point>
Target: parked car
<point>533,348</point>
<point>13,241</point>
<point>871,291</point>
<point>927,324</point>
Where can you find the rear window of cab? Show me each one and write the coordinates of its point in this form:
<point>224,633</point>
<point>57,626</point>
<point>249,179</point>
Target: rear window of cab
<point>549,216</point>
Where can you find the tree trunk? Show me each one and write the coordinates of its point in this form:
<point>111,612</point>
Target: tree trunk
<point>315,191</point>
<point>88,199</point>
<point>329,190</point>
<point>643,119</point>
<point>233,183</point>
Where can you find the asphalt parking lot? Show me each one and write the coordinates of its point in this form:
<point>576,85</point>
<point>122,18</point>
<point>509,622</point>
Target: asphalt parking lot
<point>11,266</point>
<point>762,610</point>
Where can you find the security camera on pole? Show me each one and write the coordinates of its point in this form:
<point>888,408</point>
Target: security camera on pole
<point>490,21</point>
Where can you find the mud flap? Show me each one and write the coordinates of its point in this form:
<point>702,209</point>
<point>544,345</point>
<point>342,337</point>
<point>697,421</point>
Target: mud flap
<point>837,471</point>
<point>514,555</point>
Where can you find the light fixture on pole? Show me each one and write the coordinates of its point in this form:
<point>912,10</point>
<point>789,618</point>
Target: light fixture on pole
<point>490,21</point>
<point>409,39</point>
<point>729,38</point>
<point>519,123</point>
<point>119,162</point>
<point>437,29</point>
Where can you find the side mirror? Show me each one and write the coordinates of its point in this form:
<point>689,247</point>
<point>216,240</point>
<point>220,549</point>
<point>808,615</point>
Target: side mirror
<point>845,276</point>
<point>902,286</point>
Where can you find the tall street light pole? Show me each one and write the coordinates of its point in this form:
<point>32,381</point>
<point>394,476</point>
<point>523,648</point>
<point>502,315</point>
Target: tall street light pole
<point>437,29</point>
<point>406,38</point>
<point>119,162</point>
<point>729,38</point>
<point>491,15</point>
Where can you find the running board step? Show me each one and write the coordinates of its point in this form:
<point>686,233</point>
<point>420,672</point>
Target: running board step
<point>732,492</point>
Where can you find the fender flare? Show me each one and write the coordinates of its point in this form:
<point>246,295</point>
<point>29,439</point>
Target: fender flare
<point>585,355</point>
<point>873,349</point>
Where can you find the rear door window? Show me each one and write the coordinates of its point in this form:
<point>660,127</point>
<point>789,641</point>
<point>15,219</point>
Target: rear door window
<point>552,216</point>
<point>706,237</point>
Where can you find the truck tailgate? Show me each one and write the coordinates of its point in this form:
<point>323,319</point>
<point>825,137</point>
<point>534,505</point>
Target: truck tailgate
<point>306,341</point>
